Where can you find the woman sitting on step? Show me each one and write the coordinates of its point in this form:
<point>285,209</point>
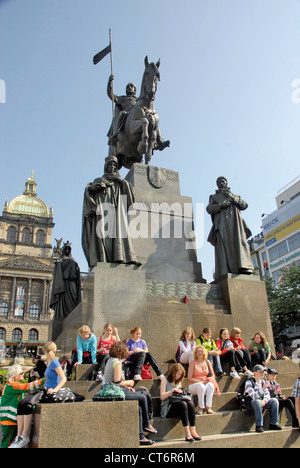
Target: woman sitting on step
<point>202,380</point>
<point>185,409</point>
<point>113,373</point>
<point>139,355</point>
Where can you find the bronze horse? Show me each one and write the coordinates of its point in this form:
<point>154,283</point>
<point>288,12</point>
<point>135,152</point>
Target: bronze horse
<point>140,134</point>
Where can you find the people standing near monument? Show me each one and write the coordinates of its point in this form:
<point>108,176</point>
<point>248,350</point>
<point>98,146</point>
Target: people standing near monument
<point>202,380</point>
<point>229,232</point>
<point>106,340</point>
<point>185,409</point>
<point>213,352</point>
<point>66,289</point>
<point>105,230</point>
<point>260,350</point>
<point>139,354</point>
<point>186,344</point>
<point>114,373</point>
<point>86,347</point>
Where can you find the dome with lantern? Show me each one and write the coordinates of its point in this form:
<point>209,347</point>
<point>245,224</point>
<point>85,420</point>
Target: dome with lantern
<point>28,203</point>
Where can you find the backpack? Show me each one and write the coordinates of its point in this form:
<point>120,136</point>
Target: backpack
<point>149,399</point>
<point>244,400</point>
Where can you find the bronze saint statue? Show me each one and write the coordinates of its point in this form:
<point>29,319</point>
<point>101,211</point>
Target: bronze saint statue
<point>105,232</point>
<point>66,289</point>
<point>135,128</point>
<point>229,232</point>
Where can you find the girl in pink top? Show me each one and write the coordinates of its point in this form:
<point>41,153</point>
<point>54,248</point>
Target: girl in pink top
<point>201,377</point>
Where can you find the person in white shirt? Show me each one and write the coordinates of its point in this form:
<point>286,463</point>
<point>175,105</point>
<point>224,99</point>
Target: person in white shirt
<point>186,344</point>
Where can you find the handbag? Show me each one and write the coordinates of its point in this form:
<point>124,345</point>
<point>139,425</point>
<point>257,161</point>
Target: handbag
<point>184,396</point>
<point>146,373</point>
<point>64,395</point>
<point>109,392</point>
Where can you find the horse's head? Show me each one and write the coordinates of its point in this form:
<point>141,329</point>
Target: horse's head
<point>150,78</point>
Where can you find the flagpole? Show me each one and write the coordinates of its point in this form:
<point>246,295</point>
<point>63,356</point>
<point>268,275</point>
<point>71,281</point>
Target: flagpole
<point>112,72</point>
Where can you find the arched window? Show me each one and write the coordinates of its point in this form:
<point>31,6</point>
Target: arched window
<point>17,334</point>
<point>33,335</point>
<point>11,234</point>
<point>2,334</point>
<point>26,236</point>
<point>3,309</point>
<point>40,237</point>
<point>34,311</point>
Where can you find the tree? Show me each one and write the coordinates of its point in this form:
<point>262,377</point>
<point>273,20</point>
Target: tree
<point>284,302</point>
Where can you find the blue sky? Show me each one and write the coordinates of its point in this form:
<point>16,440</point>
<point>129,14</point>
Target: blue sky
<point>225,99</point>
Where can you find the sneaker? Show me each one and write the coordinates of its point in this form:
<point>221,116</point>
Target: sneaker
<point>99,376</point>
<point>235,375</point>
<point>160,377</point>
<point>249,373</point>
<point>259,429</point>
<point>137,377</point>
<point>20,442</point>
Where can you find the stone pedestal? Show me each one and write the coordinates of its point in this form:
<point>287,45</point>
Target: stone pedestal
<point>162,222</point>
<point>246,298</point>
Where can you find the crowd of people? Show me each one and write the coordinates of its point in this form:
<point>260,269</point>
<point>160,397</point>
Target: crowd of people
<point>200,359</point>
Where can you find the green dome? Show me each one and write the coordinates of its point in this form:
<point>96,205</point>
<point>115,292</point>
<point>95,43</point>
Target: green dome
<point>28,203</point>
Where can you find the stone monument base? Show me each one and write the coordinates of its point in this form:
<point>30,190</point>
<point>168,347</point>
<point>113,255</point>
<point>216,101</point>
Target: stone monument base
<point>121,295</point>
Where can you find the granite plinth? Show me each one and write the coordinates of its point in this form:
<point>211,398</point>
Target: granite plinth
<point>89,424</point>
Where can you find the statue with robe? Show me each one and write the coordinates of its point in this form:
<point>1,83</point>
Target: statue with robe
<point>105,229</point>
<point>229,232</point>
<point>66,289</point>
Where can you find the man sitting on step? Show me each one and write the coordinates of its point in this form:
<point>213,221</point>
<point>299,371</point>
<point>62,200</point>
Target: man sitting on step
<point>257,390</point>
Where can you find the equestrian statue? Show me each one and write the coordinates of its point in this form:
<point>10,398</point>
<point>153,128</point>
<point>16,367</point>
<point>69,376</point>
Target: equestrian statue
<point>134,131</point>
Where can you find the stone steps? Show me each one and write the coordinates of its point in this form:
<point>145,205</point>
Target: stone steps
<point>287,438</point>
<point>227,427</point>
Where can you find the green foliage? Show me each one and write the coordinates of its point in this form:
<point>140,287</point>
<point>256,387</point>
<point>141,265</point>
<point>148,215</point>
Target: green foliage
<point>284,302</point>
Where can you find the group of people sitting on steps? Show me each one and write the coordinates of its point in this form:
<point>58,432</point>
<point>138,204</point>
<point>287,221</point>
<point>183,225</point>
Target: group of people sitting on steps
<point>200,359</point>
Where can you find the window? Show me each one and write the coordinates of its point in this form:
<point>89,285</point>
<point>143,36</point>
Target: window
<point>40,237</point>
<point>26,236</point>
<point>33,335</point>
<point>3,309</point>
<point>17,334</point>
<point>20,300</point>
<point>278,250</point>
<point>34,311</point>
<point>294,242</point>
<point>2,334</point>
<point>11,234</point>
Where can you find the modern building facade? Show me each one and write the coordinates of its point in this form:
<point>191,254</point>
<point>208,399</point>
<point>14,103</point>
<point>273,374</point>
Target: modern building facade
<point>278,246</point>
<point>26,270</point>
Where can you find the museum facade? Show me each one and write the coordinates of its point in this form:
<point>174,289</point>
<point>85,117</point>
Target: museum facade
<point>26,270</point>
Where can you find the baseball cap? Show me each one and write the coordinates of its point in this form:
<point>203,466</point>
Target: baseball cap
<point>272,371</point>
<point>259,368</point>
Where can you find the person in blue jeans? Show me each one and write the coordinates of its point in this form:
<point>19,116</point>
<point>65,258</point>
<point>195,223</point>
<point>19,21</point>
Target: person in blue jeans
<point>257,389</point>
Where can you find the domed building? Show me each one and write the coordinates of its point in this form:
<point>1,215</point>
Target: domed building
<point>26,269</point>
